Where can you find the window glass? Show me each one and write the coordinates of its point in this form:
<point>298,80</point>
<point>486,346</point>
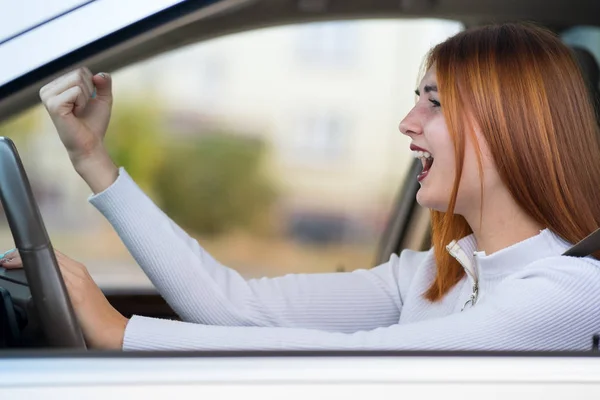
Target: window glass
<point>586,37</point>
<point>331,44</point>
<point>278,149</point>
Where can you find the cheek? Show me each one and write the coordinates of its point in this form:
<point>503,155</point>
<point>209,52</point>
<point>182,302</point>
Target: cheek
<point>472,181</point>
<point>443,150</point>
<point>436,189</point>
<point>442,182</point>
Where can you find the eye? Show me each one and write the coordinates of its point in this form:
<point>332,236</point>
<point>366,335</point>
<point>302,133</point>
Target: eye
<point>435,103</point>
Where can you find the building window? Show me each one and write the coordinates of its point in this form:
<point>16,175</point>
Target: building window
<point>320,137</point>
<point>330,43</point>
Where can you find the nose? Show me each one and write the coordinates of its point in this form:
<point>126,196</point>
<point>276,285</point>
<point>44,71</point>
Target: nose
<point>411,124</point>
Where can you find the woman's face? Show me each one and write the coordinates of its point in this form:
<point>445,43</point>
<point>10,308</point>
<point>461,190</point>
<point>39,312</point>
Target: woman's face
<point>426,126</point>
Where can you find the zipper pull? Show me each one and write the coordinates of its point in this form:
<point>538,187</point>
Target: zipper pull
<point>473,298</point>
<point>472,271</point>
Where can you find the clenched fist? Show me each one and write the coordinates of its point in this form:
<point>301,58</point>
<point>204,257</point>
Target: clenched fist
<point>79,104</point>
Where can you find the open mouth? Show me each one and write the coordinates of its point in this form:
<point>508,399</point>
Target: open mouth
<point>427,160</point>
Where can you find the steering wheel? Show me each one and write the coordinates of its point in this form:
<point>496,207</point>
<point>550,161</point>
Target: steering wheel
<point>56,316</point>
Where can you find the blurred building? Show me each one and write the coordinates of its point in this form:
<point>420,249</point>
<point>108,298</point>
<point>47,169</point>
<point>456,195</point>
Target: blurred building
<point>328,98</point>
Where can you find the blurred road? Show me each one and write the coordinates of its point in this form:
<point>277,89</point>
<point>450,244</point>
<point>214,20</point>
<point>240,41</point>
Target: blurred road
<point>121,275</point>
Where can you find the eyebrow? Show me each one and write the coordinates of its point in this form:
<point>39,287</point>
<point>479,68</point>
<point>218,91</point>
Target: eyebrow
<point>427,89</point>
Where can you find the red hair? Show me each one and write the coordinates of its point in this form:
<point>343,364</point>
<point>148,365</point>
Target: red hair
<point>522,88</point>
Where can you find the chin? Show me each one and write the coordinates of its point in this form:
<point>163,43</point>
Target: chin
<point>427,200</point>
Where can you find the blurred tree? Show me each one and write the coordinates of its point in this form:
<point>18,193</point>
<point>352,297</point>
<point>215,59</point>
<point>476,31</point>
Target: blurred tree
<point>23,126</point>
<point>207,182</point>
<point>135,140</point>
<point>215,182</point>
<point>21,129</point>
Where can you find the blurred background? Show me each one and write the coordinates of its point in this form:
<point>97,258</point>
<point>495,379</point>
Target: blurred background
<point>278,149</point>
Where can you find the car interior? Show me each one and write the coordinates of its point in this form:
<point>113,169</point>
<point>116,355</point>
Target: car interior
<point>34,309</point>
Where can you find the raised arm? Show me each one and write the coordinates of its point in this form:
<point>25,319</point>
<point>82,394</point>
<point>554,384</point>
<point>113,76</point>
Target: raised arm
<point>202,290</point>
<point>198,288</point>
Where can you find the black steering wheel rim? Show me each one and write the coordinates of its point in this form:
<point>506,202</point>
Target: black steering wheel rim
<point>48,291</point>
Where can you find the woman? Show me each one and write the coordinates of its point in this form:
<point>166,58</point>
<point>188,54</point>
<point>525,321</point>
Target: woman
<point>507,136</point>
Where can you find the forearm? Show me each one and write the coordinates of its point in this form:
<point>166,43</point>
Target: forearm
<point>97,169</point>
<point>202,290</point>
<point>541,310</point>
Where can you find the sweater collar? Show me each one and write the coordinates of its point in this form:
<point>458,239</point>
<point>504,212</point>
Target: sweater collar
<point>545,244</point>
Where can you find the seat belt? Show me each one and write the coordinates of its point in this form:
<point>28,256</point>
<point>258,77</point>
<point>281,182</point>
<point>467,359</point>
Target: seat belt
<point>588,245</point>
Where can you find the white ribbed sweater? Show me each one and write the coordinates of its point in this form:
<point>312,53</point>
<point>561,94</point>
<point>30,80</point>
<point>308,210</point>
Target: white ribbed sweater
<point>529,298</point>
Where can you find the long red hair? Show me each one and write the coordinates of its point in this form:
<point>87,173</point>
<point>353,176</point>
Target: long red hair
<point>522,88</point>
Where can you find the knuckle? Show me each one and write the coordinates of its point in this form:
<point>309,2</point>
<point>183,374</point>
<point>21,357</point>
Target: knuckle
<point>52,104</point>
<point>81,76</point>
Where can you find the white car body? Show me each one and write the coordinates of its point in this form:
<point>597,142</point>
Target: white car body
<point>302,377</point>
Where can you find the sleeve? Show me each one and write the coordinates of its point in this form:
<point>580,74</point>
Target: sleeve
<point>530,313</point>
<point>200,290</point>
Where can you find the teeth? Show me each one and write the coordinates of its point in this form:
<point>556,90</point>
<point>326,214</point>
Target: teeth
<point>421,154</point>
